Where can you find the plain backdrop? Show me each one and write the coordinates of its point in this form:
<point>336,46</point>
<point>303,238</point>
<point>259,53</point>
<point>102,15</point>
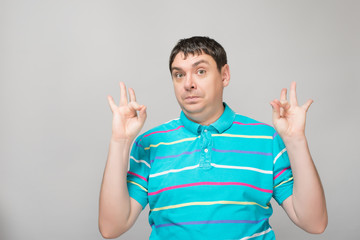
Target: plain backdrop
<point>60,59</point>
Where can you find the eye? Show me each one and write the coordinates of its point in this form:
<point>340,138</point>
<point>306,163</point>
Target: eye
<point>178,75</point>
<point>201,71</point>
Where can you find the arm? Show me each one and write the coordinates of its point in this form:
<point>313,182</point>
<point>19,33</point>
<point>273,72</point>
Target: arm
<point>307,206</point>
<point>117,211</point>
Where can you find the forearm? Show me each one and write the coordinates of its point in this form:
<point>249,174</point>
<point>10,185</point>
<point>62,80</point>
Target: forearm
<point>308,199</point>
<point>114,209</point>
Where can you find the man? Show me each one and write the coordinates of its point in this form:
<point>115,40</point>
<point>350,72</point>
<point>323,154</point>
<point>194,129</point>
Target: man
<point>211,173</point>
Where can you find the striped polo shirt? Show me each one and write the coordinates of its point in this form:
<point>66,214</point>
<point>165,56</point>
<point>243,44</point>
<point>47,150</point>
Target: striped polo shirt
<point>210,182</point>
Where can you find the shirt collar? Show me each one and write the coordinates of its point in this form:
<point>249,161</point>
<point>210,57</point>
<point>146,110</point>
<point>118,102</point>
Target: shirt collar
<point>222,124</point>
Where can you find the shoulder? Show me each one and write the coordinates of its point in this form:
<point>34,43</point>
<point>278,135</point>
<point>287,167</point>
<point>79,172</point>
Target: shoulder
<point>154,133</point>
<point>255,126</point>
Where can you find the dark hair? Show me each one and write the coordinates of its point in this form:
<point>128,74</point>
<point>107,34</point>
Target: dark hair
<point>200,45</point>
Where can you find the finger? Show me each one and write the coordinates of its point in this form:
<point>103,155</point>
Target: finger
<point>134,105</point>
<point>111,103</point>
<point>285,105</point>
<point>307,105</point>
<point>123,95</point>
<point>132,95</point>
<point>276,108</point>
<point>292,95</point>
<point>283,95</point>
<point>142,113</point>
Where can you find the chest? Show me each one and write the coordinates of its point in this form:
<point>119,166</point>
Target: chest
<point>211,168</point>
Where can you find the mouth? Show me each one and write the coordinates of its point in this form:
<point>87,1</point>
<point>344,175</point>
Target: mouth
<point>192,99</point>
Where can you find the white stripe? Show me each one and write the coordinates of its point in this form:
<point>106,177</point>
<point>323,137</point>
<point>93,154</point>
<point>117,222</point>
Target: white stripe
<point>257,234</point>
<point>172,120</point>
<point>173,170</point>
<point>140,161</point>
<point>280,153</point>
<point>241,136</point>
<point>243,168</point>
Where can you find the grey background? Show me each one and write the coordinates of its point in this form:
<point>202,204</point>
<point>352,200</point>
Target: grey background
<point>60,59</point>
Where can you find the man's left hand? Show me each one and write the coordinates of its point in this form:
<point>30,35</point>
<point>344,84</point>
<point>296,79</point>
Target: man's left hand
<point>288,117</point>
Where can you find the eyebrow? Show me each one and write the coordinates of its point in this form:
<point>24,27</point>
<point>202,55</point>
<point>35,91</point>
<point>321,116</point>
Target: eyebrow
<point>175,68</point>
<point>194,65</point>
<point>199,62</point>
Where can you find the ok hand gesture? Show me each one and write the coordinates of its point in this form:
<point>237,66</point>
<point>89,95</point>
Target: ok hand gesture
<point>128,117</point>
<point>288,117</point>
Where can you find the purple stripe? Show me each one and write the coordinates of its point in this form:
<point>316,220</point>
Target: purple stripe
<point>138,144</point>
<point>275,134</point>
<point>240,151</point>
<point>174,156</point>
<point>208,222</point>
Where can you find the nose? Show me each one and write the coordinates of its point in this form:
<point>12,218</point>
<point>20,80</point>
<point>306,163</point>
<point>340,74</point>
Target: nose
<point>189,82</point>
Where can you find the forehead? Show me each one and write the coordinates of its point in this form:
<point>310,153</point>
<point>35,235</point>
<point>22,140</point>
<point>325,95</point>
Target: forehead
<point>180,61</point>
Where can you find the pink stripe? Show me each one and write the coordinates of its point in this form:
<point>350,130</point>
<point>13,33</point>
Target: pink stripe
<point>164,131</point>
<point>251,123</point>
<point>132,173</point>
<point>209,183</point>
<point>282,171</point>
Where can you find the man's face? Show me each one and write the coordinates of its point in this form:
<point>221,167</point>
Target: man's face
<point>198,85</point>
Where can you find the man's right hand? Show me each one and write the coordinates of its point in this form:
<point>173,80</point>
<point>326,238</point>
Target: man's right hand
<point>117,210</point>
<point>127,123</point>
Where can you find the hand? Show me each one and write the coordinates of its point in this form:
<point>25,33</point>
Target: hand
<point>288,117</point>
<point>127,123</point>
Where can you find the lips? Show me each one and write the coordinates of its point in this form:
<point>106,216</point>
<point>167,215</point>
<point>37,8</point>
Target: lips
<point>192,99</point>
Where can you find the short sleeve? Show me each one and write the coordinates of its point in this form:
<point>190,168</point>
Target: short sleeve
<point>282,178</point>
<point>138,174</point>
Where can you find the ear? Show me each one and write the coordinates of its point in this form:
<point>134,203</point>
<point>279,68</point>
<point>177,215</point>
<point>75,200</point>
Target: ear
<point>225,75</point>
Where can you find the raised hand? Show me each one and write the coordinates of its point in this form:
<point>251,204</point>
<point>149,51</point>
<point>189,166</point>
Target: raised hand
<point>128,117</point>
<point>288,117</point>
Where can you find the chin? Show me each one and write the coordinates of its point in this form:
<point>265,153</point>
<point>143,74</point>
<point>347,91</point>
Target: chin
<point>192,109</point>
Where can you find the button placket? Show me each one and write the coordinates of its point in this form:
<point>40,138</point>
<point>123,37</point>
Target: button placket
<point>206,143</point>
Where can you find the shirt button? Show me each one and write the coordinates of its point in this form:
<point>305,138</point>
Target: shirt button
<point>205,130</point>
<point>206,150</point>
